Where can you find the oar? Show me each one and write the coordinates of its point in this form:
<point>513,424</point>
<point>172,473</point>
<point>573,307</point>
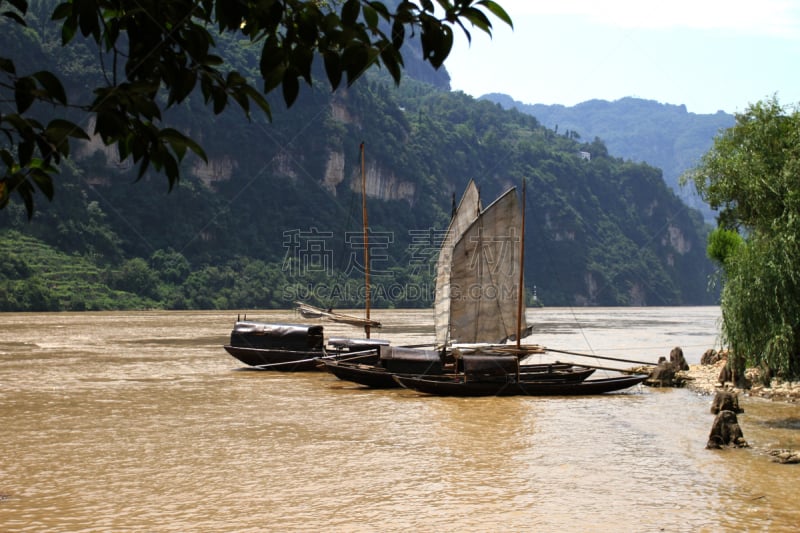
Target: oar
<point>602,357</point>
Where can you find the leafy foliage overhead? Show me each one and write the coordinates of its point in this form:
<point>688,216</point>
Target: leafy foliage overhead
<point>155,53</point>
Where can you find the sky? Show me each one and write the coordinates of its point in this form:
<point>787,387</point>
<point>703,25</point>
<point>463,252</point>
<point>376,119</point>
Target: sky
<point>708,55</point>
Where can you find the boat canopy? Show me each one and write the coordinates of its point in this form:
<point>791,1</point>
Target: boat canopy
<point>410,360</point>
<point>490,365</point>
<point>283,336</point>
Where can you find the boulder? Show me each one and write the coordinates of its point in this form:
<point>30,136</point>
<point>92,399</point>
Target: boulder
<point>709,357</point>
<point>677,360</point>
<point>725,401</point>
<point>725,431</point>
<point>786,457</point>
<point>662,376</point>
<point>725,375</point>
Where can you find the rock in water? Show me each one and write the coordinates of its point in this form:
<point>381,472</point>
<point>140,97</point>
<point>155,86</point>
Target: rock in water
<point>725,430</point>
<point>677,360</point>
<point>725,401</point>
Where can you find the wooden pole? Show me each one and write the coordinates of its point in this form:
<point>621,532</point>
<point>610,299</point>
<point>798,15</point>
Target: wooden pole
<point>601,357</point>
<point>521,288</point>
<point>366,238</point>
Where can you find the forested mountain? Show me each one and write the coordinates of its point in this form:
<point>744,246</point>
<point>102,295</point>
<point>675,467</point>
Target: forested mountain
<point>663,135</point>
<point>275,215</point>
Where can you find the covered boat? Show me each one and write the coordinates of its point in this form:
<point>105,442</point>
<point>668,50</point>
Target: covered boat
<point>276,346</point>
<point>291,347</point>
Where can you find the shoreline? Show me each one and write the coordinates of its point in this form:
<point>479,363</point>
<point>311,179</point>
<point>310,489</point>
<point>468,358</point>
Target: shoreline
<point>704,379</point>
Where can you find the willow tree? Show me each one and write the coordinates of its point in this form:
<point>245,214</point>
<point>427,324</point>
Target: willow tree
<point>752,176</point>
<point>155,53</point>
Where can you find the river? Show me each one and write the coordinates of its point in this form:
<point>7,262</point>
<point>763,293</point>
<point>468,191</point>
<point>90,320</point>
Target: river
<point>140,421</point>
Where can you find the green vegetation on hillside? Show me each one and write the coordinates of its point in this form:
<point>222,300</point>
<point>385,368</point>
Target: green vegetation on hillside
<point>275,215</point>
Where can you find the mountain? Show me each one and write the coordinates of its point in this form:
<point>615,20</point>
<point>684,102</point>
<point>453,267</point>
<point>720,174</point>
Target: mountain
<point>663,135</point>
<point>275,215</point>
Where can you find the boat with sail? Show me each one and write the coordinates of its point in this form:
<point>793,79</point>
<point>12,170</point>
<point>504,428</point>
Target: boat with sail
<point>467,297</point>
<point>495,370</point>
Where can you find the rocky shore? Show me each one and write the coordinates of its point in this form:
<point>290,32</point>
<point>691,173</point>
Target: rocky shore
<point>705,379</point>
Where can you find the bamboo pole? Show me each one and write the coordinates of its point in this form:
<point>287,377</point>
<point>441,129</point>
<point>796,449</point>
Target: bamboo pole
<point>366,239</point>
<point>521,287</point>
<point>601,357</point>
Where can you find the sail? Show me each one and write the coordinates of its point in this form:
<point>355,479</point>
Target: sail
<point>465,214</point>
<point>485,275</point>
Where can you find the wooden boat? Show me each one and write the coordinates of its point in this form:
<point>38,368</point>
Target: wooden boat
<point>466,317</point>
<point>392,360</point>
<point>508,385</point>
<point>276,346</point>
<point>378,377</point>
<point>502,375</point>
<point>292,347</point>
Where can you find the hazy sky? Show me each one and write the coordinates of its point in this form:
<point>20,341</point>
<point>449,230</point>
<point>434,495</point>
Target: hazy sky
<point>706,54</point>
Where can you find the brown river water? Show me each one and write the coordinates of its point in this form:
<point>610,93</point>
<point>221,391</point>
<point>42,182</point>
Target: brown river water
<point>142,422</point>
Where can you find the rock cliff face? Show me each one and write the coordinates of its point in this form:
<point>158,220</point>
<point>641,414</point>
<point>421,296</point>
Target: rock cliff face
<point>334,172</point>
<point>382,184</point>
<point>385,185</point>
<point>219,169</point>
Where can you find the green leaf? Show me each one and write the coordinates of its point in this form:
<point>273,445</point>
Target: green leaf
<point>350,12</point>
<point>497,11</point>
<point>180,143</point>
<point>15,17</point>
<point>6,65</point>
<point>291,88</point>
<point>260,101</point>
<point>333,68</point>
<point>478,19</point>
<point>393,63</point>
<point>21,5</point>
<point>25,152</point>
<point>24,93</point>
<point>52,86</point>
<point>68,30</point>
<point>87,19</point>
<point>370,16</point>
<point>40,176</point>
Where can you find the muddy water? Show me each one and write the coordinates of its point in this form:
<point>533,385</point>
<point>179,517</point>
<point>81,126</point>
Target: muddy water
<point>141,422</point>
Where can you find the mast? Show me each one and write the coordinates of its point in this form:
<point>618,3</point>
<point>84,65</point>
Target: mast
<point>521,288</point>
<point>366,238</point>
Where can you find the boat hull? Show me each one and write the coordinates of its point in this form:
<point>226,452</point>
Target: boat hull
<point>377,377</point>
<point>275,359</point>
<point>374,377</point>
<point>457,386</point>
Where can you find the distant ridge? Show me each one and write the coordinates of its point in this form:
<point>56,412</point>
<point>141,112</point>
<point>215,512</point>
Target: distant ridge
<point>665,136</point>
